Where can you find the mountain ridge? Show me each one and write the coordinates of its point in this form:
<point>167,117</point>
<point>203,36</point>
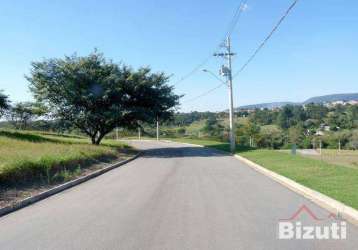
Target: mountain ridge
<point>316,99</point>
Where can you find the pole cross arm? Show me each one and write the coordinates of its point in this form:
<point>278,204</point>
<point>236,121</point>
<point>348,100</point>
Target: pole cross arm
<point>224,54</point>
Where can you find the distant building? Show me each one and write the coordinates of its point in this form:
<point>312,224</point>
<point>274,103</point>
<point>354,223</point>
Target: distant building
<point>343,102</point>
<point>353,102</point>
<point>324,127</point>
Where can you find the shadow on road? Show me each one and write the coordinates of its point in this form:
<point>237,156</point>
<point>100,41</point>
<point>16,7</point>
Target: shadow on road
<point>182,152</point>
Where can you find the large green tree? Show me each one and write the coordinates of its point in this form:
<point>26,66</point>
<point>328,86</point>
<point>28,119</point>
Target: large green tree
<point>97,95</point>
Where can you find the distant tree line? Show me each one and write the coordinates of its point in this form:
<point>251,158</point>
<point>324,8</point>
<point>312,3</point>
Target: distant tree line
<point>307,126</point>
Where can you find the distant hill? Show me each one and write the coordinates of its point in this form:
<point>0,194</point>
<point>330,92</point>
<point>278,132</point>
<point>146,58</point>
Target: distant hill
<point>332,98</point>
<point>269,105</point>
<point>317,99</point>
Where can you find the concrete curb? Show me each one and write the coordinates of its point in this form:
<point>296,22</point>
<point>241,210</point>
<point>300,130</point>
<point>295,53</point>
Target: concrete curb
<point>343,211</point>
<point>62,187</point>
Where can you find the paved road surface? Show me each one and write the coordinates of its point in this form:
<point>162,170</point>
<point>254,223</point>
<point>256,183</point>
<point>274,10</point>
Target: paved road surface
<point>174,197</point>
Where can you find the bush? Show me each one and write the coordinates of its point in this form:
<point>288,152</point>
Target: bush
<point>270,137</point>
<point>306,143</point>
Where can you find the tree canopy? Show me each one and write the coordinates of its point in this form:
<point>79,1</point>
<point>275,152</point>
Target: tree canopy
<point>97,95</point>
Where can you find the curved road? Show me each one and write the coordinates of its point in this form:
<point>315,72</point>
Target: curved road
<point>174,197</point>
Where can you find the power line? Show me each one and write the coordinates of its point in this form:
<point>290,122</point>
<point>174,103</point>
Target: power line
<point>266,39</point>
<point>231,28</point>
<point>240,8</point>
<point>253,55</point>
<point>193,71</point>
<point>205,93</point>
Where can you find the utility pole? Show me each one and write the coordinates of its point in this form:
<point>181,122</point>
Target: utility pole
<point>320,147</point>
<point>157,128</point>
<point>227,72</point>
<point>139,133</point>
<point>339,145</point>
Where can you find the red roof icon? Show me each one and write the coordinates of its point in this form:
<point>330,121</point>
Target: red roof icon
<point>308,211</point>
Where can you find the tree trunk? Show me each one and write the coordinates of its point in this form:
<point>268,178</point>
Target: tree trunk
<point>99,139</point>
<point>93,139</point>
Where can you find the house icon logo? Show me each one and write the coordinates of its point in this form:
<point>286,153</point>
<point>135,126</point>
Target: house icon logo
<point>327,227</point>
<point>306,210</point>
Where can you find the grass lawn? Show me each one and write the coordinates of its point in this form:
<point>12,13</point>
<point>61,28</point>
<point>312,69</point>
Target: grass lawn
<point>348,158</point>
<point>336,181</point>
<point>26,157</point>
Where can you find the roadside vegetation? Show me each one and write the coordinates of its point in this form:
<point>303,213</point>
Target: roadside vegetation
<point>334,180</point>
<point>28,158</point>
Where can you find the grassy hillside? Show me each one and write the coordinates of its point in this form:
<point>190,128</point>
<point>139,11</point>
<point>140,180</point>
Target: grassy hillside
<point>27,157</point>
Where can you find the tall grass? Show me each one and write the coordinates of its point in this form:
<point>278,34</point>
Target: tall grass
<point>28,157</point>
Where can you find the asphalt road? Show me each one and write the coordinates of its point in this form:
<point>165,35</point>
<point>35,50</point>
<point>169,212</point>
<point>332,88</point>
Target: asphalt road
<point>174,197</point>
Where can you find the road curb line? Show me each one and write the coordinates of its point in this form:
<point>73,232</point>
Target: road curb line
<point>33,199</point>
<point>339,209</point>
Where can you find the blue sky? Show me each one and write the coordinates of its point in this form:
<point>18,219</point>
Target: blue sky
<point>314,52</point>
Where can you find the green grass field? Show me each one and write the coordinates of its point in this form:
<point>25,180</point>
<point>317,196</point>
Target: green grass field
<point>334,180</point>
<point>348,158</point>
<point>26,157</point>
